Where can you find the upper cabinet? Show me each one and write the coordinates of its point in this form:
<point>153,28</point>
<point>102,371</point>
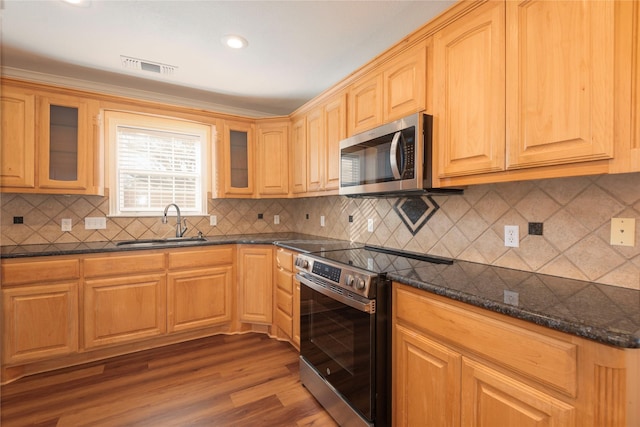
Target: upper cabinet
<point>238,165</point>
<point>524,90</point>
<point>273,158</point>
<point>560,85</point>
<point>389,92</point>
<point>468,97</point>
<point>50,143</point>
<point>315,147</point>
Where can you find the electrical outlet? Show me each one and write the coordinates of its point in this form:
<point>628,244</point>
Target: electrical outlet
<point>276,219</point>
<point>95,223</point>
<point>213,220</point>
<point>511,297</point>
<point>512,236</point>
<point>321,220</point>
<point>18,220</point>
<point>370,225</point>
<point>65,224</point>
<point>623,231</point>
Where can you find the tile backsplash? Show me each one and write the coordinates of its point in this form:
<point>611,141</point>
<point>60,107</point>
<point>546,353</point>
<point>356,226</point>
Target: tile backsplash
<point>576,213</point>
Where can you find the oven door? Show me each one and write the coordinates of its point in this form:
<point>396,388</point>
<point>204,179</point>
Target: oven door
<point>337,338</point>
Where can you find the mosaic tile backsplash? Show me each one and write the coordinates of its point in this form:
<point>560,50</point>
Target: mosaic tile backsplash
<point>576,213</point>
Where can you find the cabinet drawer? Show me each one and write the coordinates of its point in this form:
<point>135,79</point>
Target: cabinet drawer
<point>284,280</point>
<point>546,359</point>
<point>194,258</point>
<point>284,322</point>
<point>284,302</point>
<point>124,264</point>
<point>284,259</point>
<point>31,272</point>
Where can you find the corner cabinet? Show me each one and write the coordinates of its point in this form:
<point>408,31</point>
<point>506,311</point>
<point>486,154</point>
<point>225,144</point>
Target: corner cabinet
<point>238,163</point>
<point>50,142</point>
<point>273,158</point>
<point>446,375</point>
<point>255,284</point>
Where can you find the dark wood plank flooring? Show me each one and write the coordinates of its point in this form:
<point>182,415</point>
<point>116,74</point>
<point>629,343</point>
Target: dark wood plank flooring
<point>237,380</point>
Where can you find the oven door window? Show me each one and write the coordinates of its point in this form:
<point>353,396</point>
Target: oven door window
<point>339,342</point>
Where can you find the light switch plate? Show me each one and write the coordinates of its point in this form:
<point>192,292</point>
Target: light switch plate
<point>623,231</point>
<point>213,220</point>
<point>95,223</point>
<point>276,219</point>
<point>65,224</point>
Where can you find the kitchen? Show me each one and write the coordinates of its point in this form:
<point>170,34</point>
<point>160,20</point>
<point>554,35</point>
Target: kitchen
<point>575,202</point>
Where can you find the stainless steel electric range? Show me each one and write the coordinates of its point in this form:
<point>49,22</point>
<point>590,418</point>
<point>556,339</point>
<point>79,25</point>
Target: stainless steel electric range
<point>345,357</point>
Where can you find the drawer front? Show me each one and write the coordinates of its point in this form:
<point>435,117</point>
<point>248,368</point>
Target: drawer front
<point>284,259</point>
<point>284,302</point>
<point>284,280</point>
<point>546,359</point>
<point>15,273</point>
<point>196,258</point>
<point>123,264</point>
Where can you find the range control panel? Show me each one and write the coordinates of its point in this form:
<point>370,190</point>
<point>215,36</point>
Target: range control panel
<point>347,277</point>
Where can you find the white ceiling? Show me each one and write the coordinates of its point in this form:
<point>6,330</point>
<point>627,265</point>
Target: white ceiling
<point>297,49</point>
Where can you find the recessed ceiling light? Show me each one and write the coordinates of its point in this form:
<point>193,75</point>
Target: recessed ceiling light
<point>234,42</point>
<point>80,3</point>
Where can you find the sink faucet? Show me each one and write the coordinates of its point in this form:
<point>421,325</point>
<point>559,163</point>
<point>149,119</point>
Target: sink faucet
<point>179,229</point>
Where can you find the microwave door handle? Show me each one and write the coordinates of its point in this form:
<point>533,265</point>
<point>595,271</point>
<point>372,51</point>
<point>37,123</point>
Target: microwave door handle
<point>393,155</point>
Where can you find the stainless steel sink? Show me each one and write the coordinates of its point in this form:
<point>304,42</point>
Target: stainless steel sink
<point>161,242</point>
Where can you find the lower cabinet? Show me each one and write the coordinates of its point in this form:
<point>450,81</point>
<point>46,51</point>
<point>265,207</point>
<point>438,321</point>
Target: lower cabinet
<point>287,298</point>
<point>458,365</point>
<point>255,284</point>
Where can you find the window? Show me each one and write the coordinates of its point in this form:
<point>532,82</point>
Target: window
<point>156,161</point>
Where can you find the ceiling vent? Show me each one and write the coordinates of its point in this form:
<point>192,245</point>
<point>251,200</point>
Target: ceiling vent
<point>140,64</point>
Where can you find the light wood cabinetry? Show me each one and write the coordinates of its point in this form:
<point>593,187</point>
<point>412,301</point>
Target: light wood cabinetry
<point>525,90</point>
<point>17,138</point>
<point>315,150</point>
<point>298,165</point>
<point>287,301</point>
<point>124,298</point>
<point>50,142</point>
<point>199,288</point>
<point>389,92</point>
<point>273,158</point>
<point>469,93</point>
<point>335,130</point>
<point>255,284</point>
<point>39,310</point>
<point>238,163</point>
<point>454,364</point>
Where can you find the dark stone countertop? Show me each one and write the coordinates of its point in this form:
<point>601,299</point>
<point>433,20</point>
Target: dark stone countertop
<point>607,314</point>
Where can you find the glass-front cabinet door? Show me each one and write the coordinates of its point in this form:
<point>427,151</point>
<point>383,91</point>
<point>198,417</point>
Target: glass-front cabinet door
<point>238,158</point>
<point>67,155</point>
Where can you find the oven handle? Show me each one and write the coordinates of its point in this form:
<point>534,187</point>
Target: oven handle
<point>369,307</point>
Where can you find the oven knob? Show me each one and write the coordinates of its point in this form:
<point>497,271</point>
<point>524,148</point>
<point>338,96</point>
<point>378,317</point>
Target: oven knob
<point>359,283</point>
<point>302,263</point>
<point>349,280</point>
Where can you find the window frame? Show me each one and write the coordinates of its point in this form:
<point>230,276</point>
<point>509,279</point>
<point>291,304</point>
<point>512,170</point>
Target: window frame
<point>115,119</point>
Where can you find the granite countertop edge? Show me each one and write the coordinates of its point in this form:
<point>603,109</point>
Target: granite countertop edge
<point>601,335</point>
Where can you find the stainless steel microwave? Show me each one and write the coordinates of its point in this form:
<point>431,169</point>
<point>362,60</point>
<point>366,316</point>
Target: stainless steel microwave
<point>391,160</point>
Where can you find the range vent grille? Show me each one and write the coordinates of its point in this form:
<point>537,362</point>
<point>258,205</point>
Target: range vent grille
<point>143,65</point>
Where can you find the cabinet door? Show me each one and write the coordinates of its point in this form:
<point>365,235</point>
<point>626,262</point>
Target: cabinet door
<point>635,96</point>
<point>238,149</point>
<point>315,150</point>
<point>199,298</point>
<point>490,398</point>
<point>39,322</point>
<point>426,378</point>
<point>299,156</point>
<point>122,309</point>
<point>255,284</point>
<point>17,138</point>
<point>365,104</point>
<point>273,160</point>
<point>67,143</point>
<point>296,312</point>
<point>404,84</point>
<point>468,98</point>
<point>335,130</point>
<point>559,82</point>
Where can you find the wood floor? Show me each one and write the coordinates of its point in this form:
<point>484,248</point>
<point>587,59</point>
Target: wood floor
<point>238,380</point>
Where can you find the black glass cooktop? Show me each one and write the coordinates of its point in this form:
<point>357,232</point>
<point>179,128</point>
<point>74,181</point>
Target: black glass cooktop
<point>378,260</point>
